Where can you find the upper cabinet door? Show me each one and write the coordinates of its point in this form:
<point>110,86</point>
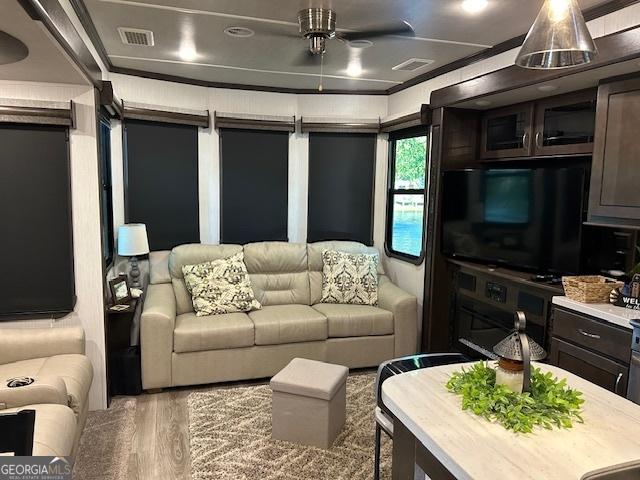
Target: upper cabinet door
<point>614,196</point>
<point>565,124</point>
<point>506,132</point>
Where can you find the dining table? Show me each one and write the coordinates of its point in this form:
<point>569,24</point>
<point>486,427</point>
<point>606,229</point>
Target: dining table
<point>432,430</point>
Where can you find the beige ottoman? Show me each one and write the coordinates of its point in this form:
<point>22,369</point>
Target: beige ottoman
<point>309,402</point>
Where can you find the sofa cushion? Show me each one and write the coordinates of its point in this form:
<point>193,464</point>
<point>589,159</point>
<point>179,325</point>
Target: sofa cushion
<point>356,320</point>
<point>215,332</point>
<point>314,252</point>
<point>279,272</point>
<point>278,324</point>
<point>349,278</point>
<point>220,286</point>
<point>54,429</point>
<point>74,369</point>
<point>193,254</point>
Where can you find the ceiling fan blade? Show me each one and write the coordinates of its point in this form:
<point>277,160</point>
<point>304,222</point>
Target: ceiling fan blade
<point>307,59</point>
<point>402,28</point>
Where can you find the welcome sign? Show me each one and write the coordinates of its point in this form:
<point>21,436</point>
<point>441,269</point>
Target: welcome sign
<point>628,302</point>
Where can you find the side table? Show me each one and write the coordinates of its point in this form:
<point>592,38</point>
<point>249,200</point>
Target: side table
<point>122,359</point>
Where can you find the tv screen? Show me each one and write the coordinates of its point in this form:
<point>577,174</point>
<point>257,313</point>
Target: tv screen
<point>524,218</point>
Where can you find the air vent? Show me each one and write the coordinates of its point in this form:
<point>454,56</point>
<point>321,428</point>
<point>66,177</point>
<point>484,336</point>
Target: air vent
<point>136,36</point>
<point>242,32</point>
<point>413,64</point>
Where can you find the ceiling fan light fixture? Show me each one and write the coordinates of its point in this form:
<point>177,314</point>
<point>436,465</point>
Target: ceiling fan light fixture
<point>317,22</point>
<point>559,38</point>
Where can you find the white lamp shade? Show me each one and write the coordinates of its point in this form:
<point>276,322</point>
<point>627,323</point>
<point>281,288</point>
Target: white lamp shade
<point>132,240</point>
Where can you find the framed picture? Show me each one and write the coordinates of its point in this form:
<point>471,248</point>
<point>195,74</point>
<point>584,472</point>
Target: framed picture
<point>120,292</point>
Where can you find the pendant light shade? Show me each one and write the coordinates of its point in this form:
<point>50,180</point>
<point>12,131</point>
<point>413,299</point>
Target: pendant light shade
<point>559,38</point>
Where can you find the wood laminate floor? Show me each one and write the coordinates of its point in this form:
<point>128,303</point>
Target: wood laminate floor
<point>160,445</point>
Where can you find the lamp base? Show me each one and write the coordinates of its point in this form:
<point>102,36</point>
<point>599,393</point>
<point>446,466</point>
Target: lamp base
<point>134,272</point>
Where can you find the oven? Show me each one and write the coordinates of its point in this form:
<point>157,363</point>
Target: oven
<point>480,324</point>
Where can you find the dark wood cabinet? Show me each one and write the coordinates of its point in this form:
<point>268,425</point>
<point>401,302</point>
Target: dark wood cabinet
<point>595,368</point>
<point>506,132</point>
<point>123,366</point>
<point>565,125</point>
<point>560,125</point>
<point>591,348</point>
<point>614,196</point>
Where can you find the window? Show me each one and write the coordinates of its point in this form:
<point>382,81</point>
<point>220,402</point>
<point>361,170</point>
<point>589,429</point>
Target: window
<point>106,194</point>
<point>254,185</point>
<point>341,179</point>
<point>406,195</point>
<point>35,208</point>
<point>161,184</point>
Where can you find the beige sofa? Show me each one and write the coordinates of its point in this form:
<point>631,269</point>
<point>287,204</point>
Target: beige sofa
<point>179,348</point>
<point>55,358</point>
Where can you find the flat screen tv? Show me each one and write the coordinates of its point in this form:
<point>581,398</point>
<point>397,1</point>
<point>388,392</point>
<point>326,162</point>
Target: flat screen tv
<point>527,218</point>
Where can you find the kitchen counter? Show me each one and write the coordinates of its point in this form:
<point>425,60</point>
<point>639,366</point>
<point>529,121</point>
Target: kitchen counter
<point>605,311</point>
<point>432,430</point>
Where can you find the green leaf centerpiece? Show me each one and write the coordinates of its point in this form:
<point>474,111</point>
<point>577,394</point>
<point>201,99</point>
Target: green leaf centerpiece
<point>549,403</point>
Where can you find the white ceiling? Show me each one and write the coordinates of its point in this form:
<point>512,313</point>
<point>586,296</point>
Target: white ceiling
<point>444,33</point>
<point>46,61</point>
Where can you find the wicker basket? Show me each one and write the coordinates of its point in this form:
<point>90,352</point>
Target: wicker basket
<point>589,288</point>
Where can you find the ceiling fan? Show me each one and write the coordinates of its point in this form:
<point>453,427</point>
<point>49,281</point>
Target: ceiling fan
<point>319,25</point>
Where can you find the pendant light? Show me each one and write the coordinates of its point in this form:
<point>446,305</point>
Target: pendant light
<point>559,38</point>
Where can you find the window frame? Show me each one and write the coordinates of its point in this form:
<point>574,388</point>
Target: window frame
<point>106,190</point>
<point>420,131</point>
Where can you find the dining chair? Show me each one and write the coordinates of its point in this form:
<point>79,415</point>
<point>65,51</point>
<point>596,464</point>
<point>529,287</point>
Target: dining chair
<point>383,417</point>
<point>17,432</point>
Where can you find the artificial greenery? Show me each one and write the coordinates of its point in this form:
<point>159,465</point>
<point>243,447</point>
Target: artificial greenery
<point>550,402</point>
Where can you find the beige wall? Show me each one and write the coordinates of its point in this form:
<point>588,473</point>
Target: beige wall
<point>89,308</point>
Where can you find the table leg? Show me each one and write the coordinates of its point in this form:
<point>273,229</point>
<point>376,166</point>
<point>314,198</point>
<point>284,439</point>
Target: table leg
<point>404,453</point>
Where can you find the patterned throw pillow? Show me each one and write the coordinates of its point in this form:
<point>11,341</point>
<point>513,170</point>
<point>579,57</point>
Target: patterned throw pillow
<point>220,286</point>
<point>349,278</point>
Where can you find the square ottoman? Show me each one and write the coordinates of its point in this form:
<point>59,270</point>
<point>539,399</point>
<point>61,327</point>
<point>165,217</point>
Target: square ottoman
<point>309,402</point>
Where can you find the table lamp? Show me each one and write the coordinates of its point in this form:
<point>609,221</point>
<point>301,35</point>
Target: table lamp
<point>132,242</point>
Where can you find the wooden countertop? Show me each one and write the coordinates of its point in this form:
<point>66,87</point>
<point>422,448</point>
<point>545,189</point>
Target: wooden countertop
<point>470,447</point>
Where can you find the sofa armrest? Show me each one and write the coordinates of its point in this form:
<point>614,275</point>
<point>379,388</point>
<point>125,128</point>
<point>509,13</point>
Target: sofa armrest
<point>405,316</point>
<point>156,335</point>
<point>44,389</point>
<point>25,343</point>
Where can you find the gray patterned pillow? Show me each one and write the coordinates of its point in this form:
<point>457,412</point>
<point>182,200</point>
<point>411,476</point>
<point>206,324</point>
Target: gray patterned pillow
<point>349,278</point>
<point>220,286</point>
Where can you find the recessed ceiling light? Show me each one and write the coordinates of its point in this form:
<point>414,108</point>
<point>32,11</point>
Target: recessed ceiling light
<point>483,103</point>
<point>242,32</point>
<point>359,43</point>
<point>547,88</point>
<point>474,6</point>
<point>354,69</point>
<point>188,53</point>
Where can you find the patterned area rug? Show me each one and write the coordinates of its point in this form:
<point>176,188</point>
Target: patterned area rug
<point>104,448</point>
<point>230,438</point>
